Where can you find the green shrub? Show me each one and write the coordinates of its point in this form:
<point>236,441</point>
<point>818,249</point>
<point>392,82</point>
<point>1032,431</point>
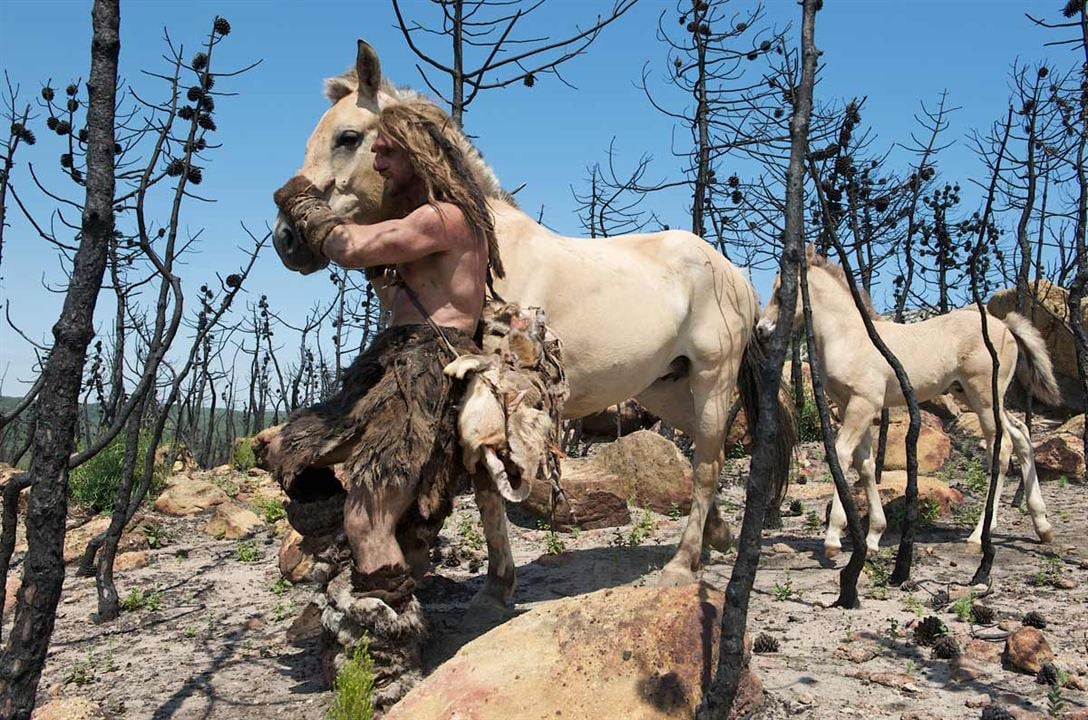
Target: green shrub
<point>270,509</point>
<point>243,457</point>
<point>808,425</point>
<point>354,686</point>
<point>93,485</point>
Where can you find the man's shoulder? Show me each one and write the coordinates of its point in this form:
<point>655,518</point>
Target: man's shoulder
<point>442,217</point>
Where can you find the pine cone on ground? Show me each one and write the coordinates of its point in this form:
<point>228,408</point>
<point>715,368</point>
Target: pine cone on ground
<point>1034,619</point>
<point>765,643</point>
<point>982,614</point>
<point>946,648</point>
<point>939,600</point>
<point>929,630</point>
<point>1047,675</point>
<point>996,712</point>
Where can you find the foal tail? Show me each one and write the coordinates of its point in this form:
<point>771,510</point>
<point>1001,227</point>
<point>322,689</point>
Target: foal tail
<point>1035,370</point>
<point>749,386</point>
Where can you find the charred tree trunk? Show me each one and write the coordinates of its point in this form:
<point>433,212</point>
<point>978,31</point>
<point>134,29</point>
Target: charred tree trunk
<point>848,578</point>
<point>723,689</point>
<point>43,574</point>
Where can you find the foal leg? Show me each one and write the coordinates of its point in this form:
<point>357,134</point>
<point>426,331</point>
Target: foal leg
<point>866,467</point>
<point>501,581</point>
<point>1025,455</point>
<point>712,391</point>
<point>985,413</point>
<point>856,420</point>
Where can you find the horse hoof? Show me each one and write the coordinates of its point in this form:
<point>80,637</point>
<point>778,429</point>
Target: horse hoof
<point>831,551</point>
<point>488,601</point>
<point>721,541</point>
<point>974,547</point>
<point>676,577</point>
<point>872,551</point>
<point>1046,536</point>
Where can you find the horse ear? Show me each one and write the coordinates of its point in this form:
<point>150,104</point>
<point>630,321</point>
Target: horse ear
<point>810,253</point>
<point>368,70</point>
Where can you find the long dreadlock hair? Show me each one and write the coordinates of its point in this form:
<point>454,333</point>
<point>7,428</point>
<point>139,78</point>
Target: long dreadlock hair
<point>434,148</point>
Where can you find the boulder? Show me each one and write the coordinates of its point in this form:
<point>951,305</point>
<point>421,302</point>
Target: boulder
<point>934,446</point>
<point>131,561</point>
<point>1026,649</point>
<point>7,472</point>
<point>739,434</point>
<point>189,497</point>
<point>1062,453</point>
<point>183,459</point>
<point>1048,311</point>
<point>295,562</point>
<point>233,522</point>
<point>944,407</point>
<point>611,653</point>
<point>968,427</point>
<point>76,539</point>
<point>892,487</point>
<point>77,707</point>
<point>594,498</point>
<point>629,415</point>
<point>655,473</point>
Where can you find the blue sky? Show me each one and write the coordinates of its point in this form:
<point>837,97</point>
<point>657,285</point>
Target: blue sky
<point>896,53</point>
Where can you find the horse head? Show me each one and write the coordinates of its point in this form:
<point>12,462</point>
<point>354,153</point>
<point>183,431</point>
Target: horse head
<point>338,157</point>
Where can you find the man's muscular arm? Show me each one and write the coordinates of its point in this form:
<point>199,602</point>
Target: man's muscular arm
<point>425,231</point>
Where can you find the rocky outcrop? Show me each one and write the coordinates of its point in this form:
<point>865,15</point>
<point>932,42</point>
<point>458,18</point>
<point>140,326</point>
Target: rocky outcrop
<point>656,474</point>
<point>934,445</point>
<point>1062,453</point>
<point>232,522</point>
<point>1048,311</point>
<point>188,497</point>
<point>294,561</point>
<point>77,707</point>
<point>592,498</point>
<point>643,468</point>
<point>609,654</point>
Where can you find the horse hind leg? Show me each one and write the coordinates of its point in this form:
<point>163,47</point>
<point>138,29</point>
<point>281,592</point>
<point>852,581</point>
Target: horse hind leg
<point>1025,455</point>
<point>711,393</point>
<point>989,430</point>
<point>866,468</point>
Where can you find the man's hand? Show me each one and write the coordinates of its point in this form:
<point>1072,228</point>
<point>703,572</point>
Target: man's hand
<point>311,216</point>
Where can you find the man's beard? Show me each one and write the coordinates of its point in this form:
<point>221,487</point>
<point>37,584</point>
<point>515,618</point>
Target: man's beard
<point>400,199</point>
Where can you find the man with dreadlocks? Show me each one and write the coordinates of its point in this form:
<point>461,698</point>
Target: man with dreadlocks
<point>393,423</point>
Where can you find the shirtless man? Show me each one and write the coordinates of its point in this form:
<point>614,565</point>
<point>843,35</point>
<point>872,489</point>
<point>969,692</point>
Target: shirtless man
<point>393,423</point>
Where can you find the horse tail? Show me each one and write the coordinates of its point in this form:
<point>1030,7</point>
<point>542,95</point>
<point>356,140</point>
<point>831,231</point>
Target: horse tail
<point>749,386</point>
<point>1035,371</point>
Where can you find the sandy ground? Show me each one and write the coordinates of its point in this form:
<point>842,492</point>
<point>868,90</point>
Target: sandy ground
<point>215,645</point>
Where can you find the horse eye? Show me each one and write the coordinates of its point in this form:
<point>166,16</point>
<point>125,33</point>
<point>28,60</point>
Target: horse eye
<point>348,138</point>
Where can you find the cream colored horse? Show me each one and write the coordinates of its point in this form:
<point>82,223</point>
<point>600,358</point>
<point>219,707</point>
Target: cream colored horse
<point>657,316</point>
<point>935,354</point>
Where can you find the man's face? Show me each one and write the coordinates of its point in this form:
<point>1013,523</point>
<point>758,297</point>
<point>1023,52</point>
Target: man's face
<point>391,162</point>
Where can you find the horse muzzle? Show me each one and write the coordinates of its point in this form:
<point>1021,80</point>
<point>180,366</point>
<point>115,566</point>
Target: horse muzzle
<point>765,328</point>
<point>293,251</point>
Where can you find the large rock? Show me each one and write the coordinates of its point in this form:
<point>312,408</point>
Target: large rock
<point>892,488</point>
<point>189,497</point>
<point>7,472</point>
<point>76,539</point>
<point>594,498</point>
<point>295,563</point>
<point>946,407</point>
<point>655,473</point>
<point>77,707</point>
<point>1062,453</point>
<point>629,415</point>
<point>934,446</point>
<point>632,653</point>
<point>233,522</point>
<point>1048,311</point>
<point>1026,649</point>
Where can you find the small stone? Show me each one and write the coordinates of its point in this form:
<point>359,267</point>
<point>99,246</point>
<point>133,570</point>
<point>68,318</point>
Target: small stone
<point>805,697</point>
<point>1027,649</point>
<point>977,701</point>
<point>782,548</point>
<point>1065,583</point>
<point>131,561</point>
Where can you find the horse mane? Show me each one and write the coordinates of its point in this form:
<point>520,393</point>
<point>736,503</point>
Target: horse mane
<point>337,87</point>
<point>816,260</point>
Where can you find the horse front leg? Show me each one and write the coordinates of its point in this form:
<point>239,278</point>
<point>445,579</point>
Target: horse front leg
<point>712,393</point>
<point>856,419</point>
<point>866,468</point>
<point>501,580</point>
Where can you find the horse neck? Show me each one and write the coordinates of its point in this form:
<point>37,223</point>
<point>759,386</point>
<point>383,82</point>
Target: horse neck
<point>522,242</point>
<point>834,313</point>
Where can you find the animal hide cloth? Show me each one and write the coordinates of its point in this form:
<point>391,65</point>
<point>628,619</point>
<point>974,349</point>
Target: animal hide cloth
<point>396,417</point>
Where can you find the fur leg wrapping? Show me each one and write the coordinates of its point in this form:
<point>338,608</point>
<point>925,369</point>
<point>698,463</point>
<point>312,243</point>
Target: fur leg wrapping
<point>395,638</point>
